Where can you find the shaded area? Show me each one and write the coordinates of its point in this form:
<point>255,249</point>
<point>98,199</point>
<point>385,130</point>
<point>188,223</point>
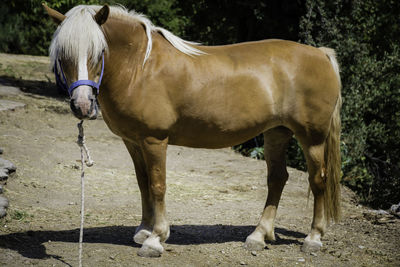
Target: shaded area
<point>30,244</point>
<point>43,88</point>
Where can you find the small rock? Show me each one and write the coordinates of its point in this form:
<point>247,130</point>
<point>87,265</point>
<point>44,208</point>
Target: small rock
<point>9,90</point>
<point>395,209</point>
<point>10,105</point>
<point>3,202</point>
<point>254,253</point>
<point>112,257</point>
<point>1,151</point>
<point>3,213</point>
<point>361,247</point>
<point>380,212</point>
<point>8,165</point>
<point>254,187</point>
<point>313,254</point>
<point>1,189</point>
<point>242,263</point>
<point>3,174</point>
<point>301,260</point>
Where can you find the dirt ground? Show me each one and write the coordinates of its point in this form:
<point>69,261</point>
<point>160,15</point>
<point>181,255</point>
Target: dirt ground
<point>214,197</point>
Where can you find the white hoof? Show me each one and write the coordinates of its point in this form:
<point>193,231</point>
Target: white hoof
<point>254,244</point>
<point>141,236</point>
<point>151,248</point>
<point>311,245</point>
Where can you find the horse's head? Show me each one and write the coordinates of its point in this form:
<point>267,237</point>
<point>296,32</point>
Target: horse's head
<point>77,53</point>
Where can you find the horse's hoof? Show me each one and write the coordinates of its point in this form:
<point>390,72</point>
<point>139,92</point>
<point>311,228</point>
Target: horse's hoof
<point>141,236</point>
<point>311,246</point>
<point>151,248</point>
<point>253,244</point>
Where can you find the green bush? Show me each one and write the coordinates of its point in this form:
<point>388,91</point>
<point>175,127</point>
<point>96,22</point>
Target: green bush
<point>366,37</point>
<point>25,28</point>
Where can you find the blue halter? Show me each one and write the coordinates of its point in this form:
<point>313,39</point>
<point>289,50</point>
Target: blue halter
<point>63,85</point>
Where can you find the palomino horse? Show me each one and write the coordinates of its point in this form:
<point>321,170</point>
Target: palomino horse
<point>158,89</point>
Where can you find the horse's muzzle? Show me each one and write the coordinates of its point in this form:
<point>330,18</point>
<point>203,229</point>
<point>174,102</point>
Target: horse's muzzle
<point>85,110</point>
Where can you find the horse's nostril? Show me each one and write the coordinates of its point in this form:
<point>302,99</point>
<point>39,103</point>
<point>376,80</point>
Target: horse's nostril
<point>72,106</point>
<point>77,111</point>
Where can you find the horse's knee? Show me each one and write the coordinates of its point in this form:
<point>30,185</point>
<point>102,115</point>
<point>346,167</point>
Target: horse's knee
<point>158,190</point>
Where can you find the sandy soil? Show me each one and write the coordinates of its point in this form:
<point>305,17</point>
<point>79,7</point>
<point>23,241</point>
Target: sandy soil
<point>214,197</point>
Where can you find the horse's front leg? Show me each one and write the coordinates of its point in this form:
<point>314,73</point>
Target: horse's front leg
<point>146,226</point>
<point>154,154</point>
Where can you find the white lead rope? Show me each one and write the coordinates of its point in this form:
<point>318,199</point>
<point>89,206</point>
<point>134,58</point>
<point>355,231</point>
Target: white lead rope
<point>89,162</point>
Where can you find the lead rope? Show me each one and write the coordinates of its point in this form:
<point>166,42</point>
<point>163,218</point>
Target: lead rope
<point>89,162</point>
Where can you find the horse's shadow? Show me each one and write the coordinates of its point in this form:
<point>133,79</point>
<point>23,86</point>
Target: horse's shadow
<point>40,88</point>
<point>30,244</point>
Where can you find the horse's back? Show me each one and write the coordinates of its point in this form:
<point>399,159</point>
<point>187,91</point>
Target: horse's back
<point>241,90</point>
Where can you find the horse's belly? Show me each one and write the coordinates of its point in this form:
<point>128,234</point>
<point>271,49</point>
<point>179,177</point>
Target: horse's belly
<point>201,134</point>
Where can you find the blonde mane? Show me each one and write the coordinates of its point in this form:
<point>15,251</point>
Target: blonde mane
<point>90,40</point>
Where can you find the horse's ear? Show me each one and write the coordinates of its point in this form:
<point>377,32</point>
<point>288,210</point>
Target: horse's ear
<point>54,14</point>
<point>102,15</point>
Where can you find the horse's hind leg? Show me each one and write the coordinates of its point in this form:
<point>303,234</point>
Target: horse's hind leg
<point>315,164</point>
<point>275,143</point>
<point>146,226</point>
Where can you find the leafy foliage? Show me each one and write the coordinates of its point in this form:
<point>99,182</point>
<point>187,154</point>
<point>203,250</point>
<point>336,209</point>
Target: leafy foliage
<point>366,36</point>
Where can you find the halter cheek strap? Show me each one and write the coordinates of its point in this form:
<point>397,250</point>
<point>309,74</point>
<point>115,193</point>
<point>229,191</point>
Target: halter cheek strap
<point>64,85</point>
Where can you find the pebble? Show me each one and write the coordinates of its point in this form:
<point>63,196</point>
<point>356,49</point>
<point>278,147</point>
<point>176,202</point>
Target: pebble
<point>3,213</point>
<point>1,151</point>
<point>301,260</point>
<point>254,253</point>
<point>3,202</point>
<point>395,209</point>
<point>242,263</point>
<point>3,174</point>
<point>361,247</point>
<point>8,165</point>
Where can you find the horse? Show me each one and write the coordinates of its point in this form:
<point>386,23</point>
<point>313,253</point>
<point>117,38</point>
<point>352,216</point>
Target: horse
<point>156,89</point>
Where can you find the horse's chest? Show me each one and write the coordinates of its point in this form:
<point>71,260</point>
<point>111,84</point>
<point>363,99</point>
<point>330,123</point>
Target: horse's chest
<point>132,119</point>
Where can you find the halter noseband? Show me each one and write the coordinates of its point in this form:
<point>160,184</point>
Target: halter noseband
<point>62,83</point>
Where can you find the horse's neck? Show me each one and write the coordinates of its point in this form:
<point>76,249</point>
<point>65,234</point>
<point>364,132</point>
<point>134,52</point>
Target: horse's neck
<point>127,41</point>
